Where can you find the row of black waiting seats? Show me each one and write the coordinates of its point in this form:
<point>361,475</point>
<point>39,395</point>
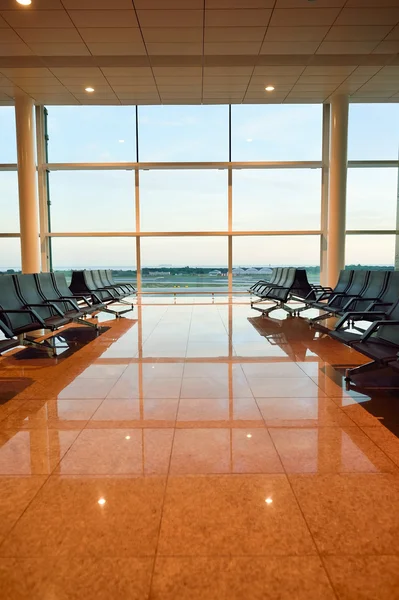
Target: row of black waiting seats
<point>358,294</point>
<point>285,283</point>
<point>32,302</point>
<point>365,295</point>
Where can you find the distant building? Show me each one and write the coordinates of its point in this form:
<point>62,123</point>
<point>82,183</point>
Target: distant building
<point>238,271</point>
<point>265,270</point>
<point>251,271</point>
<point>215,273</point>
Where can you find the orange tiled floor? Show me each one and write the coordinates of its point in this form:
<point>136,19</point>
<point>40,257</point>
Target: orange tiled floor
<point>182,455</point>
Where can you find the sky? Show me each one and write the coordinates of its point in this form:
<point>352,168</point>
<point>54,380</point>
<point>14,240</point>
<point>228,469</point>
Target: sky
<point>197,200</point>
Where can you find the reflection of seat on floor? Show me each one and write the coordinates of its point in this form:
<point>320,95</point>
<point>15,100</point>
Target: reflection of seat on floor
<point>62,377</point>
<point>292,335</point>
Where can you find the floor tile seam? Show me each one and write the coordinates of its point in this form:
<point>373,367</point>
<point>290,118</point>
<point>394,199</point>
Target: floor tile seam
<point>164,495</point>
<point>6,537</point>
<point>12,411</point>
<point>304,518</point>
<point>115,383</point>
<point>387,456</point>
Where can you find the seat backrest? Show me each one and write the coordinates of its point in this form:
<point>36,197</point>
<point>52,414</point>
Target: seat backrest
<point>44,283</point>
<point>96,278</point>
<point>344,281</point>
<point>301,286</point>
<point>358,283</point>
<point>391,293</point>
<point>30,294</point>
<point>79,284</point>
<point>110,277</point>
<point>281,276</point>
<point>60,284</point>
<point>89,281</point>
<point>390,333</point>
<point>274,275</point>
<point>376,284</point>
<point>283,292</point>
<point>10,299</point>
<point>104,279</point>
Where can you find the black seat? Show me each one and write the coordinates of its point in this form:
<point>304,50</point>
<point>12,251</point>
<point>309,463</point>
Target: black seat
<point>15,317</point>
<point>279,293</point>
<point>30,295</point>
<point>343,284</point>
<point>44,283</point>
<point>128,286</point>
<point>336,302</point>
<point>63,292</point>
<point>120,290</point>
<point>380,343</point>
<point>83,283</point>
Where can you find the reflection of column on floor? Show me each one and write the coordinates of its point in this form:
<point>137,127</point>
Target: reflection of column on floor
<point>41,441</point>
<point>230,379</point>
<point>140,376</point>
<point>329,447</point>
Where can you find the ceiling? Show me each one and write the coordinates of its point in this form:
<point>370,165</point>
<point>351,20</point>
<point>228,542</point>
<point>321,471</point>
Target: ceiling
<point>199,51</point>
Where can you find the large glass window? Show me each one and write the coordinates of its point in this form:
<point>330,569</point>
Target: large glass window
<point>274,132</point>
<point>10,254</point>
<point>372,198</point>
<point>373,132</point>
<point>8,145</point>
<point>254,256</point>
<point>183,133</point>
<point>92,133</point>
<point>180,200</point>
<point>92,201</point>
<point>184,263</point>
<point>116,253</point>
<point>370,250</point>
<point>9,208</point>
<point>276,199</point>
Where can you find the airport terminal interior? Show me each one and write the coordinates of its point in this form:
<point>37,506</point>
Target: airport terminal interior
<point>199,299</point>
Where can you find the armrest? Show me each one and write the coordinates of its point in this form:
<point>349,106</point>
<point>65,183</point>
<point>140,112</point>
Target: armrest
<point>66,298</point>
<point>96,298</point>
<point>373,328</point>
<point>64,301</point>
<point>6,330</point>
<point>356,316</point>
<point>44,305</point>
<point>24,311</point>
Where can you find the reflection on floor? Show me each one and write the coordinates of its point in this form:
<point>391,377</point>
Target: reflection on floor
<point>197,453</point>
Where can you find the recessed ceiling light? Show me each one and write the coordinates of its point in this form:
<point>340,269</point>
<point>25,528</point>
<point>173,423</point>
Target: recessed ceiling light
<point>89,89</point>
<point>249,435</point>
<point>269,88</point>
<point>24,2</point>
<point>101,501</point>
<point>269,501</point>
<point>249,139</point>
<point>127,437</point>
<point>121,141</point>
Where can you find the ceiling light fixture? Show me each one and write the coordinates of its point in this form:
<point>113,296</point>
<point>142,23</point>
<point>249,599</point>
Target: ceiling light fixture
<point>249,435</point>
<point>269,501</point>
<point>89,89</point>
<point>101,501</point>
<point>269,88</point>
<point>24,2</point>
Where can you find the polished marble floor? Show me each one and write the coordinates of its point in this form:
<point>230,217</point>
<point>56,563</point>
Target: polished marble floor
<point>196,451</point>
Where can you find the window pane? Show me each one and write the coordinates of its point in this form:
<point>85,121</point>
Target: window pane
<point>8,146</point>
<point>184,264</point>
<point>373,132</point>
<point>263,252</point>
<point>370,250</point>
<point>92,201</point>
<point>183,200</point>
<point>10,254</point>
<point>372,198</point>
<point>277,199</point>
<point>183,133</point>
<point>118,254</point>
<point>92,133</point>
<point>9,207</point>
<point>276,132</point>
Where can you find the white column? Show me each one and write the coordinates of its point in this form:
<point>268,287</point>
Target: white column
<point>337,196</point>
<point>325,175</point>
<point>27,185</point>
